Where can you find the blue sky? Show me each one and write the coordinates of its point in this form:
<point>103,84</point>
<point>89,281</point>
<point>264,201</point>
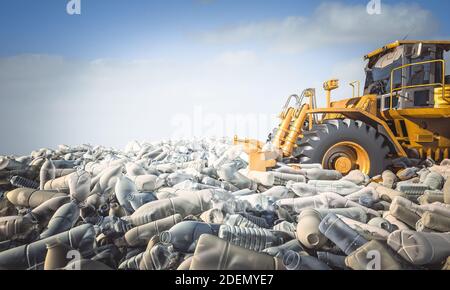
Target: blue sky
<point>142,69</point>
<point>114,28</point>
<point>142,28</point>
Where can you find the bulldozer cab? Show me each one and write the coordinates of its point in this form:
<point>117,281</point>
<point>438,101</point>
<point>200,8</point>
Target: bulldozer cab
<point>409,74</point>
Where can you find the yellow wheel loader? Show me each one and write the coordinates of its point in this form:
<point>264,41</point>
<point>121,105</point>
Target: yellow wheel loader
<point>404,112</point>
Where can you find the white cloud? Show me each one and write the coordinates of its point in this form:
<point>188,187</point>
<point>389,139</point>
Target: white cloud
<point>237,58</point>
<point>331,24</point>
<point>50,100</point>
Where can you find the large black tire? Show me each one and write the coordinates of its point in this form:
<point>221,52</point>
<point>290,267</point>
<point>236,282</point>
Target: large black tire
<point>315,144</point>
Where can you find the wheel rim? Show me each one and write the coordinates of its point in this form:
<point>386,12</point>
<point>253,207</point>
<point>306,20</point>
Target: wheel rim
<point>347,156</point>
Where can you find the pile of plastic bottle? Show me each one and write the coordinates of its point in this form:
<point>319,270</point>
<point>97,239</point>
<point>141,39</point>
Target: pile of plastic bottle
<point>195,205</point>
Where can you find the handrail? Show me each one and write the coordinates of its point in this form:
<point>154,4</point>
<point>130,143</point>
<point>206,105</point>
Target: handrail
<point>285,107</point>
<point>352,84</point>
<point>417,86</point>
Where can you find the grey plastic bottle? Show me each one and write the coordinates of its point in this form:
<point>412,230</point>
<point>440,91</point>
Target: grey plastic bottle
<point>184,235</point>
<point>302,189</point>
<point>6,207</point>
<point>278,192</point>
<point>229,172</point>
<point>259,221</point>
<point>341,234</point>
<point>189,204</point>
<point>60,184</point>
<point>447,191</point>
<point>179,177</point>
<point>47,173</point>
<point>273,178</point>
<point>213,216</point>
<point>282,178</point>
<point>357,177</point>
<point>245,221</point>
<point>44,212</point>
<point>140,235</point>
<point>294,261</point>
<point>139,199</point>
<point>64,219</point>
<point>7,163</point>
<point>28,197</point>
<point>286,227</point>
<point>431,196</point>
<point>332,260</point>
<point>19,181</point>
<point>420,209</point>
<point>355,213</point>
<point>105,182</point>
<point>132,263</point>
<point>433,221</point>
<point>389,178</point>
<point>365,192</point>
<point>367,201</point>
<point>341,187</point>
<point>125,189</point>
<point>146,263</point>
<point>420,248</point>
<point>407,173</point>
<point>323,200</point>
<point>33,255</point>
<point>413,190</point>
<point>255,201</point>
<point>214,182</point>
<point>256,239</point>
<point>17,228</point>
<point>79,185</point>
<point>301,203</point>
<point>322,174</point>
<point>404,214</point>
<point>186,264</point>
<point>394,221</point>
<point>374,255</point>
<point>434,181</point>
<point>56,257</point>
<point>213,253</point>
<point>87,265</point>
<point>388,194</point>
<point>162,257</point>
<point>382,224</point>
<point>113,226</point>
<point>148,182</point>
<point>64,171</point>
<point>239,221</point>
<point>308,232</point>
<point>108,254</point>
<point>281,250</point>
<point>369,232</point>
<point>243,192</point>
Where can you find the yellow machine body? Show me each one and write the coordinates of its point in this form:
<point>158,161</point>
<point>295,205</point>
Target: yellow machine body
<point>413,115</point>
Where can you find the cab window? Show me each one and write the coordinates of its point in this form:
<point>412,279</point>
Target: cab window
<point>420,74</point>
<point>378,79</point>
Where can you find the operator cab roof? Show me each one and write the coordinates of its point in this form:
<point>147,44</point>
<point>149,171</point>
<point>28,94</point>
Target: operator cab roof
<point>444,43</point>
